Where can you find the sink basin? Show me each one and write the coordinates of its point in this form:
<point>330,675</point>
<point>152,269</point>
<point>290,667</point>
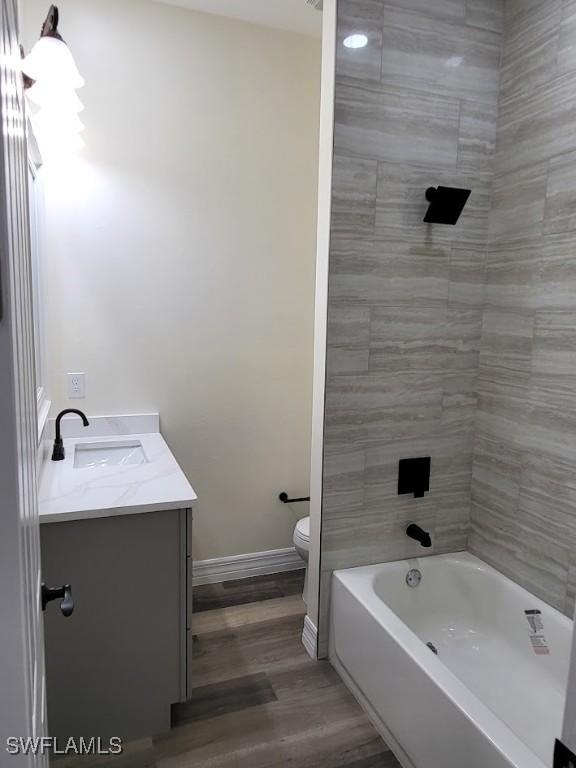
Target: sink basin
<point>113,454</point>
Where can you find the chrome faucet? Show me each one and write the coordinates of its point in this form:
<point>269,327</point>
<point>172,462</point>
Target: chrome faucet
<point>58,450</point>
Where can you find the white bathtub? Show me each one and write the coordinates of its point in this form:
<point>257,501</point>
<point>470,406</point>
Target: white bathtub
<point>491,698</point>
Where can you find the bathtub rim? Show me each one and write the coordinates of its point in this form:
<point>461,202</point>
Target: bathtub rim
<point>479,714</point>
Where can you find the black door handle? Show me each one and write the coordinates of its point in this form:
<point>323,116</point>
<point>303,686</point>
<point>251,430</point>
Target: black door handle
<point>55,593</point>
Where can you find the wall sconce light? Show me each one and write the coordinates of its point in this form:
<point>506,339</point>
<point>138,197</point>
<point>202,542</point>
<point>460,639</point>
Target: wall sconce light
<point>51,79</point>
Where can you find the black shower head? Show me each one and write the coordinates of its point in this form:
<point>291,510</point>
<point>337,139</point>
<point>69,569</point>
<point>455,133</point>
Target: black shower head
<point>446,204</point>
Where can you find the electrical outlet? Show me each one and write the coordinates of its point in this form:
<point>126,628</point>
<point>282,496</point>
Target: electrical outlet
<point>76,386</point>
<point>563,757</point>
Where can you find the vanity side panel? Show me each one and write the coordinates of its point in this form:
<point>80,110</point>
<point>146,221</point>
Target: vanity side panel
<point>186,637</point>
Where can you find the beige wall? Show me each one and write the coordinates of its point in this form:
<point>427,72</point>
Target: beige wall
<point>181,249</point>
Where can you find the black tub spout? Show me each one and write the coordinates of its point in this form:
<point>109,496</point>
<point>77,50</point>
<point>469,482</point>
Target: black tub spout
<point>418,534</point>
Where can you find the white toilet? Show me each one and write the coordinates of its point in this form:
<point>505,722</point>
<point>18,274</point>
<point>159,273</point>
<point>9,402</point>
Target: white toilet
<point>302,544</point>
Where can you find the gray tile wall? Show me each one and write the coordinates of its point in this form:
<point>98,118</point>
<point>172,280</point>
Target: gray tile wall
<point>523,517</point>
<point>416,108</point>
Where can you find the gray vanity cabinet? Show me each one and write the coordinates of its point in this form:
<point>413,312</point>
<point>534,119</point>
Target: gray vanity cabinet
<point>115,667</point>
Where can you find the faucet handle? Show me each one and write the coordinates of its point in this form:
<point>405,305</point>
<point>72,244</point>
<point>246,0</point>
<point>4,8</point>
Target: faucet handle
<point>55,593</point>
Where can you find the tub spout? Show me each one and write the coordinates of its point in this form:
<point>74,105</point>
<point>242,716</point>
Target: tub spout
<point>418,534</point>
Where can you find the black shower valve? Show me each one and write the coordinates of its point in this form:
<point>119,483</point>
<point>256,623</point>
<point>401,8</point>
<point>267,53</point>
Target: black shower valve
<point>414,476</point>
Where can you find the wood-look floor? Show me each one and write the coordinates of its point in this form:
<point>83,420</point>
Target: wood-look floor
<point>259,701</point>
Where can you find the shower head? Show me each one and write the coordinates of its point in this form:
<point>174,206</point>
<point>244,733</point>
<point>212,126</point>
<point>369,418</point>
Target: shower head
<point>446,204</point>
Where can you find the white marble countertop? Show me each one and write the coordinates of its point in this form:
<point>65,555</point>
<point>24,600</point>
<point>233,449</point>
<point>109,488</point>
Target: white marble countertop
<point>70,493</point>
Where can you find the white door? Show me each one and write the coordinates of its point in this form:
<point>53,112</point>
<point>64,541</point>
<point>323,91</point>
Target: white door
<point>22,696</point>
<point>569,731</point>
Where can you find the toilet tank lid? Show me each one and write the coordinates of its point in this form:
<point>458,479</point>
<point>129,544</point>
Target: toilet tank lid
<point>303,527</point>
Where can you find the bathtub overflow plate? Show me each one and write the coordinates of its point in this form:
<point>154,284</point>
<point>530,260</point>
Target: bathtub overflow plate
<point>413,577</point>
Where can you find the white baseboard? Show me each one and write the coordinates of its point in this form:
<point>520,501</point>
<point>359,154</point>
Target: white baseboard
<point>243,566</point>
<point>310,637</point>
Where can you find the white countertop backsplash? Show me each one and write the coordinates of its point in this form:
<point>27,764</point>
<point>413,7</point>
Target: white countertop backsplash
<point>69,493</point>
<point>105,426</point>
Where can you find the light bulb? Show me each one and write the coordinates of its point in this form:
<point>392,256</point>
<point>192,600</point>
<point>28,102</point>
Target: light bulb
<point>52,120</point>
<point>51,62</point>
<point>44,95</point>
<point>55,143</point>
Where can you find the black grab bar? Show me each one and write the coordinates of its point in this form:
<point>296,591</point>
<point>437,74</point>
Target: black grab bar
<point>285,500</point>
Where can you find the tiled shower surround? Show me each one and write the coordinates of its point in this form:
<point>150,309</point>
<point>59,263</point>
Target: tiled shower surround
<point>454,342</point>
<point>523,517</point>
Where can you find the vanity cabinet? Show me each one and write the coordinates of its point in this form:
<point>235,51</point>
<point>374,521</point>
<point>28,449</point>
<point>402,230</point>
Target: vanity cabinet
<point>119,662</point>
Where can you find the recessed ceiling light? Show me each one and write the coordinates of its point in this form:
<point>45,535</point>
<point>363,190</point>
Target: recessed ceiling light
<point>356,41</point>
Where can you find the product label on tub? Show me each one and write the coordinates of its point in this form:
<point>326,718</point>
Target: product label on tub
<point>537,636</point>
